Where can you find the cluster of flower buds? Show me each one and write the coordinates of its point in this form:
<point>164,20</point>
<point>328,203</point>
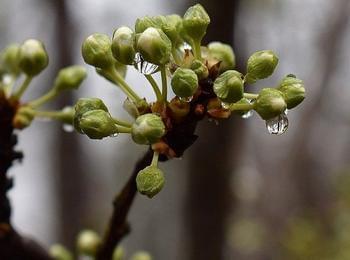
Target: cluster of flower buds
<point>88,243</point>
<point>202,78</point>
<point>28,60</point>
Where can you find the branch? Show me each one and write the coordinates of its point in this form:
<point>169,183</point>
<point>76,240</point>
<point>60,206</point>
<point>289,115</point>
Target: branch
<point>118,226</point>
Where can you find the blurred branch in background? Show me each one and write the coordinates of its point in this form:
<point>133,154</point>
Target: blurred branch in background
<point>214,158</point>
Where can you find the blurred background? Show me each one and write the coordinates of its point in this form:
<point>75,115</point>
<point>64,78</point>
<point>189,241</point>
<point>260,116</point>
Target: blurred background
<point>238,193</point>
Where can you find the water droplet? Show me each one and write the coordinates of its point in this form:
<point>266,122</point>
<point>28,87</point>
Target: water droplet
<point>247,114</point>
<point>225,105</point>
<point>68,128</point>
<point>186,99</point>
<point>143,66</point>
<point>114,135</point>
<point>277,125</point>
<point>186,46</point>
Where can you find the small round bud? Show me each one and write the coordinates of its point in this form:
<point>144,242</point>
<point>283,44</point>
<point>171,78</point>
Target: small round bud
<point>9,62</point>
<point>97,124</point>
<point>222,53</point>
<point>33,57</point>
<point>69,78</point>
<point>88,242</point>
<point>184,82</point>
<point>118,253</point>
<point>23,117</point>
<point>293,91</point>
<point>150,181</point>
<point>59,252</point>
<point>123,45</point>
<point>154,46</point>
<point>146,22</point>
<point>142,255</point>
<point>270,103</point>
<point>96,50</point>
<point>147,129</point>
<point>261,65</point>
<point>195,22</point>
<point>229,86</point>
<point>171,28</point>
<point>200,69</point>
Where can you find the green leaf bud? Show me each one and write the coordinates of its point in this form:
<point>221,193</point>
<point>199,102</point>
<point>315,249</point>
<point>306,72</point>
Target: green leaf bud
<point>118,253</point>
<point>9,60</point>
<point>88,242</point>
<point>96,51</point>
<point>224,53</point>
<point>150,181</point>
<point>195,22</point>
<point>23,117</point>
<point>146,22</point>
<point>154,46</point>
<point>59,252</point>
<point>69,78</point>
<point>97,124</point>
<point>229,86</point>
<point>261,65</point>
<point>84,105</point>
<point>200,69</point>
<point>123,45</point>
<point>147,129</point>
<point>33,57</point>
<point>184,82</point>
<point>293,90</point>
<point>270,103</point>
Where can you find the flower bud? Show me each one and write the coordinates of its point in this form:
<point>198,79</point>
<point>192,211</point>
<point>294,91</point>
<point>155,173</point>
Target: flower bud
<point>229,86</point>
<point>118,253</point>
<point>147,129</point>
<point>195,22</point>
<point>88,242</point>
<point>33,57</point>
<point>9,62</point>
<point>23,117</point>
<point>184,82</point>
<point>146,22</point>
<point>69,78</point>
<point>293,90</point>
<point>200,69</point>
<point>142,255</point>
<point>96,50</point>
<point>222,53</point>
<point>270,103</point>
<point>150,181</point>
<point>59,252</point>
<point>97,124</point>
<point>123,45</point>
<point>154,46</point>
<point>261,65</point>
<point>171,28</point>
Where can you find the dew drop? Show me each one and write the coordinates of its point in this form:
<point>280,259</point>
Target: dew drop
<point>68,128</point>
<point>114,135</point>
<point>247,114</point>
<point>186,99</point>
<point>143,66</point>
<point>277,125</point>
<point>186,46</point>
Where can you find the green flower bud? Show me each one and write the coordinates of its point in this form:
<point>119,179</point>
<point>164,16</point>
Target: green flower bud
<point>69,78</point>
<point>270,103</point>
<point>229,86</point>
<point>224,53</point>
<point>171,28</point>
<point>118,253</point>
<point>147,129</point>
<point>123,45</point>
<point>293,90</point>
<point>146,22</point>
<point>200,69</point>
<point>184,82</point>
<point>97,124</point>
<point>96,50</point>
<point>9,60</point>
<point>67,115</point>
<point>154,46</point>
<point>150,181</point>
<point>23,117</point>
<point>59,252</point>
<point>195,22</point>
<point>261,65</point>
<point>88,242</point>
<point>33,57</point>
<point>142,255</point>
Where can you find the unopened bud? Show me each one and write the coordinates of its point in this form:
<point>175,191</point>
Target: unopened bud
<point>261,65</point>
<point>184,82</point>
<point>147,129</point>
<point>150,181</point>
<point>229,86</point>
<point>123,45</point>
<point>23,117</point>
<point>9,60</point>
<point>270,103</point>
<point>88,242</point>
<point>223,53</point>
<point>293,90</point>
<point>59,252</point>
<point>33,57</point>
<point>69,78</point>
<point>200,69</point>
<point>195,22</point>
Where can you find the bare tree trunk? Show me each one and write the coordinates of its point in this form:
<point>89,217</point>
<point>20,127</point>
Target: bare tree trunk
<point>213,160</point>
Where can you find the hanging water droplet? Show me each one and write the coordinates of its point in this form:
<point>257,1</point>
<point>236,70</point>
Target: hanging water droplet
<point>277,125</point>
<point>68,128</point>
<point>186,99</point>
<point>186,46</point>
<point>114,135</point>
<point>143,66</point>
<point>247,114</point>
<point>225,105</point>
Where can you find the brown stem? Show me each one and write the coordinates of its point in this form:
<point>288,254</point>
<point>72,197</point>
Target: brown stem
<point>118,226</point>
